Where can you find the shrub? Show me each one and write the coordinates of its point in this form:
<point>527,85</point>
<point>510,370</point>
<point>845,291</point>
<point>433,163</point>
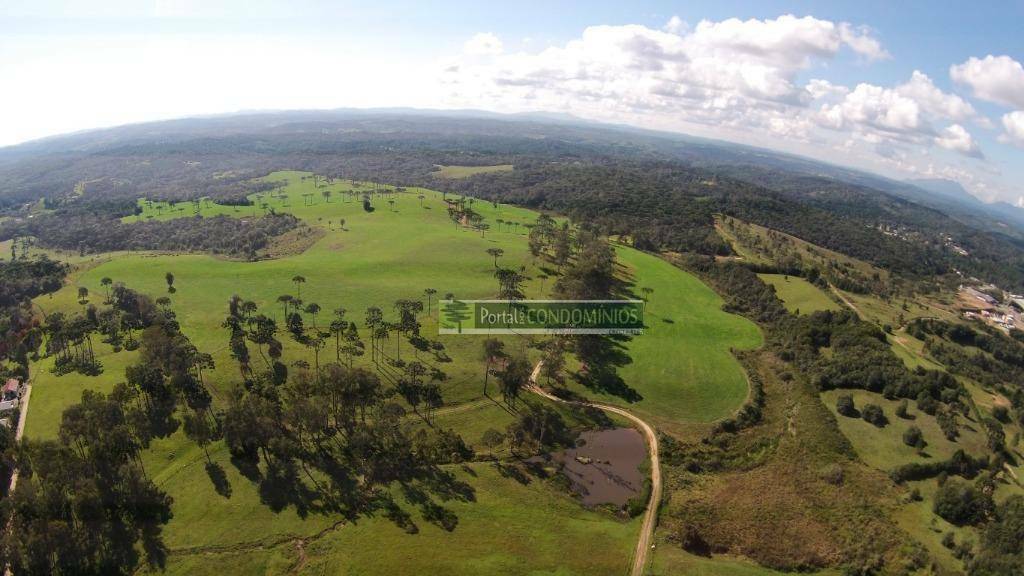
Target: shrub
<point>873,413</point>
<point>962,504</point>
<point>995,435</point>
<point>927,404</point>
<point>913,437</point>
<point>492,438</point>
<point>901,409</point>
<point>833,474</point>
<point>947,421</point>
<point>1001,413</point>
<point>845,406</point>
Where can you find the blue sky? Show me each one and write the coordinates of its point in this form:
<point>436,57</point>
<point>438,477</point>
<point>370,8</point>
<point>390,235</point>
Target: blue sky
<point>907,89</point>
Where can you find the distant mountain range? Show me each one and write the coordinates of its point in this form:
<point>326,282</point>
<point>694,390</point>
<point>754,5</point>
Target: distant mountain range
<point>760,166</point>
<point>950,197</point>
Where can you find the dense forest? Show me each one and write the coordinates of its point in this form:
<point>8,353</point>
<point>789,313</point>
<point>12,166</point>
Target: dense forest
<point>20,281</point>
<point>88,232</point>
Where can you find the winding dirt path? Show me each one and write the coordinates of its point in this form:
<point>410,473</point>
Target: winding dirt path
<point>22,418</point>
<point>846,301</point>
<point>646,539</point>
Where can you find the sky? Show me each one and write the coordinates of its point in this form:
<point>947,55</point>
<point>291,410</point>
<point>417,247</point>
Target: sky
<point>906,89</point>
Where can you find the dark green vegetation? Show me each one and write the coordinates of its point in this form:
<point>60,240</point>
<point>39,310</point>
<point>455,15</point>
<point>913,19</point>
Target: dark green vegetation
<point>91,233</point>
<point>994,358</point>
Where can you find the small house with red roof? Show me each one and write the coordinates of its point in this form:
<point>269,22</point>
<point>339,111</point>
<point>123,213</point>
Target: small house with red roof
<point>11,388</point>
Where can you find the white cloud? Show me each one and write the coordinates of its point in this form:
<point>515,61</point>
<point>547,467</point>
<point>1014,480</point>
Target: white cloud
<point>822,89</point>
<point>1013,124</point>
<point>861,41</point>
<point>938,103</point>
<point>733,71</point>
<point>998,79</point>
<point>743,80</point>
<point>483,44</point>
<point>958,139</point>
<point>878,109</point>
<point>905,112</point>
<point>675,25</point>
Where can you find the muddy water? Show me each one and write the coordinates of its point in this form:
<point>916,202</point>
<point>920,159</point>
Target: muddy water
<point>604,467</point>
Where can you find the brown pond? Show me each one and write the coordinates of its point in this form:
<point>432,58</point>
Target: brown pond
<point>604,468</point>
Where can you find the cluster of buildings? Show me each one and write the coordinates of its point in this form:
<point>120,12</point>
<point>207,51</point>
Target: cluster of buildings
<point>978,302</point>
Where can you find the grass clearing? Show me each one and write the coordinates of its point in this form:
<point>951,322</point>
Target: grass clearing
<point>681,366</point>
<point>799,295</point>
<point>759,244</point>
<point>881,312</point>
<point>672,560</point>
<point>467,171</point>
<point>883,448</point>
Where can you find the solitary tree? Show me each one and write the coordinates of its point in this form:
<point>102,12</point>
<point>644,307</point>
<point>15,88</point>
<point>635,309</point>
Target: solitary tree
<point>496,253</point>
<point>514,378</point>
<point>285,299</point>
<point>170,282</point>
<point>845,406</point>
<point>429,292</point>
<point>913,437</point>
<point>298,281</point>
<point>313,309</point>
<point>106,282</point>
<point>493,349</point>
<point>198,429</point>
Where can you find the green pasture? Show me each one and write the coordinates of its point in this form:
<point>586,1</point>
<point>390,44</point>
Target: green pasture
<point>681,366</point>
<point>798,294</point>
<point>467,171</point>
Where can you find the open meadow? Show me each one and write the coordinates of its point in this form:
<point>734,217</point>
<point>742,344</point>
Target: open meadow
<point>798,294</point>
<point>681,369</point>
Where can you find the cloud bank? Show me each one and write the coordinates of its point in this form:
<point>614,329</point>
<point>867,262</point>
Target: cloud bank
<point>756,80</point>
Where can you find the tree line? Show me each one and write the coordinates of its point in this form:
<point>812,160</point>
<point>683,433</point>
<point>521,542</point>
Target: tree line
<point>92,233</point>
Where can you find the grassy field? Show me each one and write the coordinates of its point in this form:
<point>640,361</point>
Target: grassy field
<point>881,312</point>
<point>671,560</point>
<point>883,448</point>
<point>757,244</point>
<point>798,294</point>
<point>681,367</point>
<point>467,171</point>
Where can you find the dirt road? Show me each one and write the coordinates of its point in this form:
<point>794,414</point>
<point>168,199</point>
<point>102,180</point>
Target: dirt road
<point>22,418</point>
<point>646,539</point>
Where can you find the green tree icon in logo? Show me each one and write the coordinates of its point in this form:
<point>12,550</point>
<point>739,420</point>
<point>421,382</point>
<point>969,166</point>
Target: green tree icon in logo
<point>455,312</point>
